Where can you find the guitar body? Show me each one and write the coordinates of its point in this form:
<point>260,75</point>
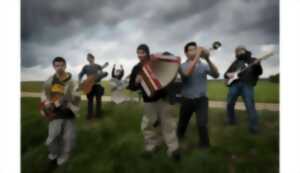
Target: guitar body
<point>234,77</point>
<point>87,85</point>
<point>47,110</point>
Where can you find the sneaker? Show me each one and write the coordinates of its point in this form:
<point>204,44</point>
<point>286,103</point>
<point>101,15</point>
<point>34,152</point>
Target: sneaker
<point>62,159</point>
<point>52,156</point>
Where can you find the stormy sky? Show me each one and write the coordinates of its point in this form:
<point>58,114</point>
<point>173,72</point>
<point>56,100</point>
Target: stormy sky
<point>112,29</point>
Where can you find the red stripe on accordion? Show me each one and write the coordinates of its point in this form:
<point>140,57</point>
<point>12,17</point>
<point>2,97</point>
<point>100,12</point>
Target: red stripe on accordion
<point>152,77</point>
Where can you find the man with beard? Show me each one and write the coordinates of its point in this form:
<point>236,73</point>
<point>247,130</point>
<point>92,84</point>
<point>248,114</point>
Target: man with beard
<point>244,87</point>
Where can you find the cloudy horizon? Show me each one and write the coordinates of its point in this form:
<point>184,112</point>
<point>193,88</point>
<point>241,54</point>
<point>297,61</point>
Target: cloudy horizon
<point>112,29</point>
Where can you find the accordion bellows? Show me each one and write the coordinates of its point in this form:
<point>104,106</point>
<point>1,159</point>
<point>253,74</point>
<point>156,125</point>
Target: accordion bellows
<point>159,72</point>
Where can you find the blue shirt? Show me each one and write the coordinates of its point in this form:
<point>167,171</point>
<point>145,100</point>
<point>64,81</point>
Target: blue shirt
<point>194,86</point>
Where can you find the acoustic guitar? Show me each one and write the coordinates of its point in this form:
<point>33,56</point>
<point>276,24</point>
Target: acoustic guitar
<point>87,85</point>
<point>47,108</point>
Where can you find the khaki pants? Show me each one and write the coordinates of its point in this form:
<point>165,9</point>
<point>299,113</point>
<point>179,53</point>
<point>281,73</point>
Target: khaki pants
<point>164,131</point>
<point>61,137</point>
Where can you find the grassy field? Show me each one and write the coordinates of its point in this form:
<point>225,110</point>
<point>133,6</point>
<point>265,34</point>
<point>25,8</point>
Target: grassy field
<point>265,90</point>
<point>114,143</point>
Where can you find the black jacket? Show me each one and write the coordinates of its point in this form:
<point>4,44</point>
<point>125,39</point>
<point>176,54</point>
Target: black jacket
<point>249,76</point>
<point>134,87</point>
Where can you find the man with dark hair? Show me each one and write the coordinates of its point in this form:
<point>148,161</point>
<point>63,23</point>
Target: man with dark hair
<point>158,122</point>
<point>243,87</point>
<point>194,91</point>
<point>93,69</point>
<point>60,95</point>
<point>58,59</point>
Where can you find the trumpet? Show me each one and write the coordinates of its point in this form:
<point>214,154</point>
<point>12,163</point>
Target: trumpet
<point>203,52</point>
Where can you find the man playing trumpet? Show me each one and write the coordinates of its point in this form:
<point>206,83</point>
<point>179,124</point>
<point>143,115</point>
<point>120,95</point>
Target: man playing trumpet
<point>194,91</point>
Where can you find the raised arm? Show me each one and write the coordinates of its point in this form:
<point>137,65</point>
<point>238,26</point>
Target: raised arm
<point>104,65</point>
<point>213,68</point>
<point>113,71</point>
<point>122,71</point>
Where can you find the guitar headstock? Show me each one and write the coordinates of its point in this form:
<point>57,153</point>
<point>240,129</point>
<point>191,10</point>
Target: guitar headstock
<point>267,55</point>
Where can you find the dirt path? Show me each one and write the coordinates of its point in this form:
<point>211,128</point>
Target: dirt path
<point>212,104</point>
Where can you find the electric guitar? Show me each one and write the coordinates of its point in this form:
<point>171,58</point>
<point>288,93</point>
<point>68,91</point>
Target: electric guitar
<point>233,76</point>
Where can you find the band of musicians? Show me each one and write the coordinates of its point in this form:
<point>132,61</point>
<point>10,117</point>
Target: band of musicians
<point>165,81</point>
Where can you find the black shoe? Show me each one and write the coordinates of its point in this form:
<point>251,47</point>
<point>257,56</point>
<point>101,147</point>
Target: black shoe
<point>176,156</point>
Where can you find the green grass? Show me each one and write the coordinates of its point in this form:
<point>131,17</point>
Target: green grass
<point>265,90</point>
<point>114,143</point>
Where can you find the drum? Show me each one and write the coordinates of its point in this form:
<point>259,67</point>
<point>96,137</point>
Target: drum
<point>158,72</point>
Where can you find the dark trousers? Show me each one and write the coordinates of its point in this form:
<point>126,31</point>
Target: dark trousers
<point>200,107</point>
<point>247,92</point>
<point>97,91</point>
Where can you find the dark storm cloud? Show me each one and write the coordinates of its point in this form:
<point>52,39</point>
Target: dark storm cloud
<point>58,26</point>
<point>267,20</point>
<point>63,18</point>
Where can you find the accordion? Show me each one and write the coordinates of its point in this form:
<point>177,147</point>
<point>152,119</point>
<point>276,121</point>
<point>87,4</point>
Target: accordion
<point>158,72</point>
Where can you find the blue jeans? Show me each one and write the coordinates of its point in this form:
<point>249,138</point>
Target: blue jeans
<point>247,92</point>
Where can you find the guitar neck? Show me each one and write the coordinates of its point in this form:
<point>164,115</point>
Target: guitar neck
<point>257,61</point>
<point>249,66</point>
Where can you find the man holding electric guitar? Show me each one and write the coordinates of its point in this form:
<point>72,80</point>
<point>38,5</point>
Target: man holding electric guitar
<point>92,85</point>
<point>241,78</point>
